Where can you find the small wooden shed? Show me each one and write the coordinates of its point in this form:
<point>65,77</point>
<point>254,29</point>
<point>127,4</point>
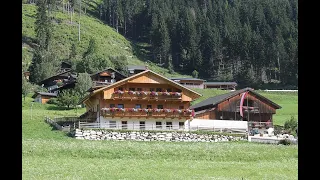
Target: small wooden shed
<point>43,97</point>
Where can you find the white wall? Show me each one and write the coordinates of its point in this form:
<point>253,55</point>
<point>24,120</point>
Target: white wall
<point>206,123</point>
<point>133,123</point>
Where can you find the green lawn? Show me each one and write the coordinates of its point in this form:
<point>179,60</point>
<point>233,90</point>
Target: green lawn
<point>50,154</point>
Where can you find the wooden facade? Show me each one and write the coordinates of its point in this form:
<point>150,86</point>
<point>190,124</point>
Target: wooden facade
<point>190,82</point>
<point>106,77</point>
<point>220,85</point>
<point>43,97</point>
<point>140,97</point>
<point>227,107</point>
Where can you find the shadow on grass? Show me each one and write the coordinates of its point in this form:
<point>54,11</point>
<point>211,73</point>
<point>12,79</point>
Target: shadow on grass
<point>58,108</point>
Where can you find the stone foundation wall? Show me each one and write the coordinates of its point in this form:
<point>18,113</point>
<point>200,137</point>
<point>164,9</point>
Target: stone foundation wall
<point>152,136</point>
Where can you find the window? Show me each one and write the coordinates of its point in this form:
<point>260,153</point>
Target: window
<point>181,107</point>
<point>139,89</point>
<point>124,124</point>
<point>149,106</point>
<point>151,89</point>
<point>132,89</point>
<point>120,88</point>
<point>189,83</point>
<point>142,125</point>
<point>112,124</point>
<point>158,89</point>
<point>169,90</point>
<point>181,125</point>
<point>138,106</point>
<point>112,106</point>
<point>160,106</point>
<point>169,125</point>
<point>120,106</point>
<point>158,125</point>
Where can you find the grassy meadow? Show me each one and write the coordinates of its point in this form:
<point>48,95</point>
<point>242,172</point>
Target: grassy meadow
<point>50,154</point>
<point>65,33</point>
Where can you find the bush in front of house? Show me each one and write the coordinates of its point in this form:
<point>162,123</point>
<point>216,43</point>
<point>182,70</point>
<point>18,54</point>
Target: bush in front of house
<point>53,101</point>
<point>285,142</point>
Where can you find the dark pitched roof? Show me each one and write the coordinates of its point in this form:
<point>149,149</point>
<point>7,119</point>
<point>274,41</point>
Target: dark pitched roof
<point>185,78</point>
<point>220,83</point>
<point>59,74</point>
<point>136,67</point>
<point>109,68</point>
<point>44,94</point>
<point>217,99</point>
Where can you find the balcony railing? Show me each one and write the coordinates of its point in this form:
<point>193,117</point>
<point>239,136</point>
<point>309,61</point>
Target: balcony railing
<point>147,95</point>
<point>155,113</point>
<point>131,126</point>
<point>100,83</point>
<point>254,124</point>
<point>249,108</point>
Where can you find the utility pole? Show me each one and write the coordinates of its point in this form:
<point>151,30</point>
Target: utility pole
<point>31,109</point>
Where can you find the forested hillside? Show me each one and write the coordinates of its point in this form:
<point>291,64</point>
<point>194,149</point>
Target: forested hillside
<point>251,42</point>
<point>107,47</point>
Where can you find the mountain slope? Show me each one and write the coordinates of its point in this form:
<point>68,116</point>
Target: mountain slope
<point>65,33</point>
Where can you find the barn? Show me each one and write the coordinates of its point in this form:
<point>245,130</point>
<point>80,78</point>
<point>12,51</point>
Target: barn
<point>240,105</point>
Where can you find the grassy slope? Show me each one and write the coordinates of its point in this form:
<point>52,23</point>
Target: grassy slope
<point>49,154</point>
<point>287,100</point>
<point>108,41</point>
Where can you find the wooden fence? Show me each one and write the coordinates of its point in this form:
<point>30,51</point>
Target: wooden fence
<point>65,123</point>
<point>53,123</point>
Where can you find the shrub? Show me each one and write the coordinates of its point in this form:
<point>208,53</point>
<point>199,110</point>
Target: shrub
<point>290,126</point>
<point>285,142</point>
<point>53,101</point>
<point>278,129</point>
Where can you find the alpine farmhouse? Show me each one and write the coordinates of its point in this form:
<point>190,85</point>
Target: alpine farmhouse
<point>144,101</point>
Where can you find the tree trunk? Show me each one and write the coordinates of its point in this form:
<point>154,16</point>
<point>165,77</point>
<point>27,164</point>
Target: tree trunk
<point>125,27</point>
<point>117,24</point>
<point>110,14</point>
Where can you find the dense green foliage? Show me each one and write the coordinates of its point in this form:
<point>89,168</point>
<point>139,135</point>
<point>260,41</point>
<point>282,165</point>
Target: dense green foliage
<point>253,42</point>
<point>69,98</point>
<point>291,126</point>
<point>84,82</point>
<point>50,154</point>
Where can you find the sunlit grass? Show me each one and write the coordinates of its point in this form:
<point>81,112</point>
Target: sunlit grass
<point>51,154</point>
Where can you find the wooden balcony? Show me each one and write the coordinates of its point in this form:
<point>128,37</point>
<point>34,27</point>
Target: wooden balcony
<point>100,83</point>
<point>248,109</point>
<point>149,96</point>
<point>141,113</point>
